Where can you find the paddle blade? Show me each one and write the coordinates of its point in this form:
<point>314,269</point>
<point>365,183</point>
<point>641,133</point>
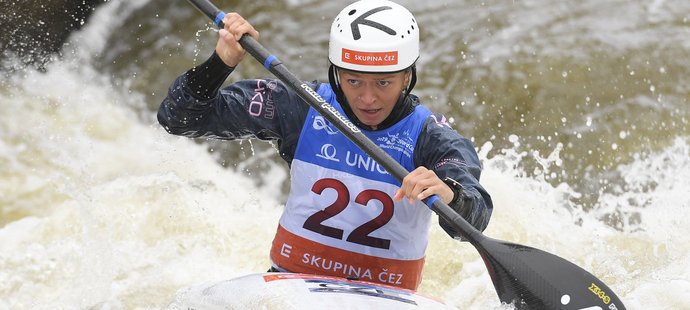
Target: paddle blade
<point>533,279</point>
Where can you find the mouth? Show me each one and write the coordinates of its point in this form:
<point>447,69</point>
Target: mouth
<point>370,111</point>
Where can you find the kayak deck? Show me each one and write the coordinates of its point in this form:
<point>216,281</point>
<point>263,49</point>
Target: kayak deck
<point>299,291</point>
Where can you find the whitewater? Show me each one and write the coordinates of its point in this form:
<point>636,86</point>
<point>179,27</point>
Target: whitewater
<point>100,208</point>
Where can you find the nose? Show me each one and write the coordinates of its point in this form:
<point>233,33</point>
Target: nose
<point>367,96</point>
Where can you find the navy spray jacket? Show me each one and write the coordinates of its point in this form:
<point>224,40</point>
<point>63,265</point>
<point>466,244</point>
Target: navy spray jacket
<point>266,109</point>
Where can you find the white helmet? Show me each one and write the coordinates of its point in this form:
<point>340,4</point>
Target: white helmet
<point>374,36</point>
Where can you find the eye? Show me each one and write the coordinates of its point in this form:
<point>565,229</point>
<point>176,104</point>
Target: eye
<point>353,82</point>
<point>383,83</point>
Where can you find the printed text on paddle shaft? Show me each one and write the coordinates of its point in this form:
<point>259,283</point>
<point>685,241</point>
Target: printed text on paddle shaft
<point>330,109</point>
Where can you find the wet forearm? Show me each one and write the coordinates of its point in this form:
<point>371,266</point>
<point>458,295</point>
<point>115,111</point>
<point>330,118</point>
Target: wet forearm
<point>206,79</point>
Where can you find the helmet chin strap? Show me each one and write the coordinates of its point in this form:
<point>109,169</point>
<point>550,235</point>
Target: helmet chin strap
<point>413,81</point>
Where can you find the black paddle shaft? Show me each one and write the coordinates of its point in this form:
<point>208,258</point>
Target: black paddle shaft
<point>527,277</point>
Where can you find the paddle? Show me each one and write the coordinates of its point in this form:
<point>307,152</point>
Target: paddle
<point>528,277</point>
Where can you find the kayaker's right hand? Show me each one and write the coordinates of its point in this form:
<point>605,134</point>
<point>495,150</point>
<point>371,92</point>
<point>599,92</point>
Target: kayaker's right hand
<point>228,46</point>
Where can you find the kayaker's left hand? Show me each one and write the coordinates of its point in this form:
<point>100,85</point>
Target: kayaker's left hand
<point>422,183</point>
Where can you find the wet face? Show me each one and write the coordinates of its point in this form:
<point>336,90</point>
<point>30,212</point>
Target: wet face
<point>372,96</point>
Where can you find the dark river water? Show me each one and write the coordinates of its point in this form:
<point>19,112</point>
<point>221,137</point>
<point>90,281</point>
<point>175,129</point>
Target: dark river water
<point>579,111</point>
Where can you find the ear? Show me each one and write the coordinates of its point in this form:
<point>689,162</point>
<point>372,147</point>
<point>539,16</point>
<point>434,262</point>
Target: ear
<point>406,81</point>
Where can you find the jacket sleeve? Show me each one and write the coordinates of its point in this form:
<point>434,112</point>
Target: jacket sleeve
<point>262,108</point>
<point>450,155</point>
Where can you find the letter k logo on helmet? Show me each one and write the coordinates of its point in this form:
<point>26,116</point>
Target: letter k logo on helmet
<point>362,20</point>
